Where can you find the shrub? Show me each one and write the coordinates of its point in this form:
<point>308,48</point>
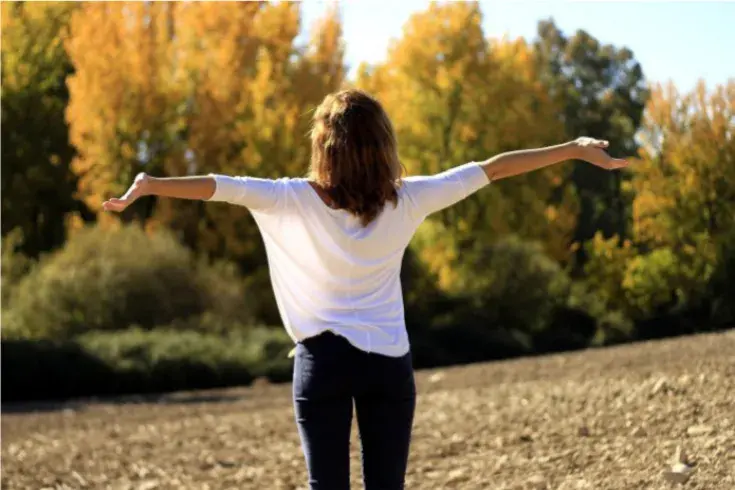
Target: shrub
<point>604,270</point>
<point>15,265</point>
<point>141,361</point>
<point>509,299</point>
<point>109,279</point>
<point>513,284</point>
<point>612,326</point>
<point>666,279</point>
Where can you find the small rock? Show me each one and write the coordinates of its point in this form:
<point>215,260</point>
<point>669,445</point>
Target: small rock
<point>436,377</point>
<point>501,461</point>
<point>679,473</point>
<point>575,485</point>
<point>79,478</point>
<point>659,386</point>
<point>457,438</point>
<point>680,456</point>
<point>583,431</point>
<point>699,430</point>
<point>537,482</point>
<point>149,485</point>
<point>638,432</point>
<point>456,475</point>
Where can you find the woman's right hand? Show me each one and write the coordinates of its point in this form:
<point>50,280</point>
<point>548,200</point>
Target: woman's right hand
<point>138,189</point>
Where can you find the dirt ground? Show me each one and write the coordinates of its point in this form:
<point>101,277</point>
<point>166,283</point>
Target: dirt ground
<point>599,419</point>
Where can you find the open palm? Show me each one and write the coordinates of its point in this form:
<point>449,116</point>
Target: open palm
<point>594,151</point>
<point>135,191</point>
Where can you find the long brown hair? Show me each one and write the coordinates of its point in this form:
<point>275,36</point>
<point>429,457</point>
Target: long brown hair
<point>354,155</point>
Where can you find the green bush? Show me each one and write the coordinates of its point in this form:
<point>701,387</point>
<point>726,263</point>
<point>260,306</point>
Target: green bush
<point>109,279</point>
<point>666,279</point>
<point>15,265</point>
<point>141,361</point>
<point>611,326</point>
<point>509,299</point>
<point>513,284</point>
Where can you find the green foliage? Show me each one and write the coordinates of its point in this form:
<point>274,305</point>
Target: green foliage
<point>604,270</point>
<point>519,286</point>
<point>505,299</point>
<point>140,361</point>
<point>38,185</point>
<point>662,281</point>
<point>664,278</point>
<point>110,279</point>
<point>15,264</point>
<point>602,91</point>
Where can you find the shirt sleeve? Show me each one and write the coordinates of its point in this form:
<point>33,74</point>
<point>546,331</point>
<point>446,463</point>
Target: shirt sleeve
<point>430,194</point>
<point>251,192</point>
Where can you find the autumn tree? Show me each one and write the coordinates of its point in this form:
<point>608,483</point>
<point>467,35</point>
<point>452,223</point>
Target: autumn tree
<point>125,114</point>
<point>176,89</point>
<point>455,96</point>
<point>685,180</point>
<point>194,88</point>
<point>601,92</point>
<point>37,183</point>
<point>684,185</point>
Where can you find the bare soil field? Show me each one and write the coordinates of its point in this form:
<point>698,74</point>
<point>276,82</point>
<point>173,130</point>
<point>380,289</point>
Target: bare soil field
<point>597,419</point>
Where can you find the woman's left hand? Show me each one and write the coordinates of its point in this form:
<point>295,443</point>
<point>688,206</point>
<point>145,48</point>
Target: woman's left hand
<point>138,189</point>
<point>594,151</point>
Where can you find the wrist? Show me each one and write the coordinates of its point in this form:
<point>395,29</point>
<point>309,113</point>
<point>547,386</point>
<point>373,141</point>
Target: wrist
<point>147,185</point>
<point>572,150</point>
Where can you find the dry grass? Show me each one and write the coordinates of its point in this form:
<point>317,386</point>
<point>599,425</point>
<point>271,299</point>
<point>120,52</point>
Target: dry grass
<point>599,419</point>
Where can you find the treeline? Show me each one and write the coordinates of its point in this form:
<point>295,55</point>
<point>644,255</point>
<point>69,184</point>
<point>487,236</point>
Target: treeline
<point>175,294</point>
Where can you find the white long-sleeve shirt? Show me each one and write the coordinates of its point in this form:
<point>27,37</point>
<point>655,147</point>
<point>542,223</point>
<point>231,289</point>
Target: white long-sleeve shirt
<point>328,271</point>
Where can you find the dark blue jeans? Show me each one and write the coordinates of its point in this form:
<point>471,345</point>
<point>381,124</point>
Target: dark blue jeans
<point>329,374</point>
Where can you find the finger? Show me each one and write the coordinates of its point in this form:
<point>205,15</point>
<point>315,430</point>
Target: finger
<point>114,204</point>
<point>125,200</point>
<point>129,195</point>
<point>616,163</point>
<point>108,206</point>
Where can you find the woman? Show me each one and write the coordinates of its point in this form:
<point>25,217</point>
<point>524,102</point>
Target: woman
<point>334,243</point>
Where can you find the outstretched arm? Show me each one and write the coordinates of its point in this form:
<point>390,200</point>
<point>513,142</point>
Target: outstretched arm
<point>436,192</point>
<point>199,188</point>
<point>518,162</point>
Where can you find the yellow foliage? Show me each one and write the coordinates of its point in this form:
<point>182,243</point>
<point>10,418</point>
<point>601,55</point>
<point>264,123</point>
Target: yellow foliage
<point>605,270</point>
<point>190,88</point>
<point>684,188</point>
<point>454,97</point>
<point>685,177</point>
